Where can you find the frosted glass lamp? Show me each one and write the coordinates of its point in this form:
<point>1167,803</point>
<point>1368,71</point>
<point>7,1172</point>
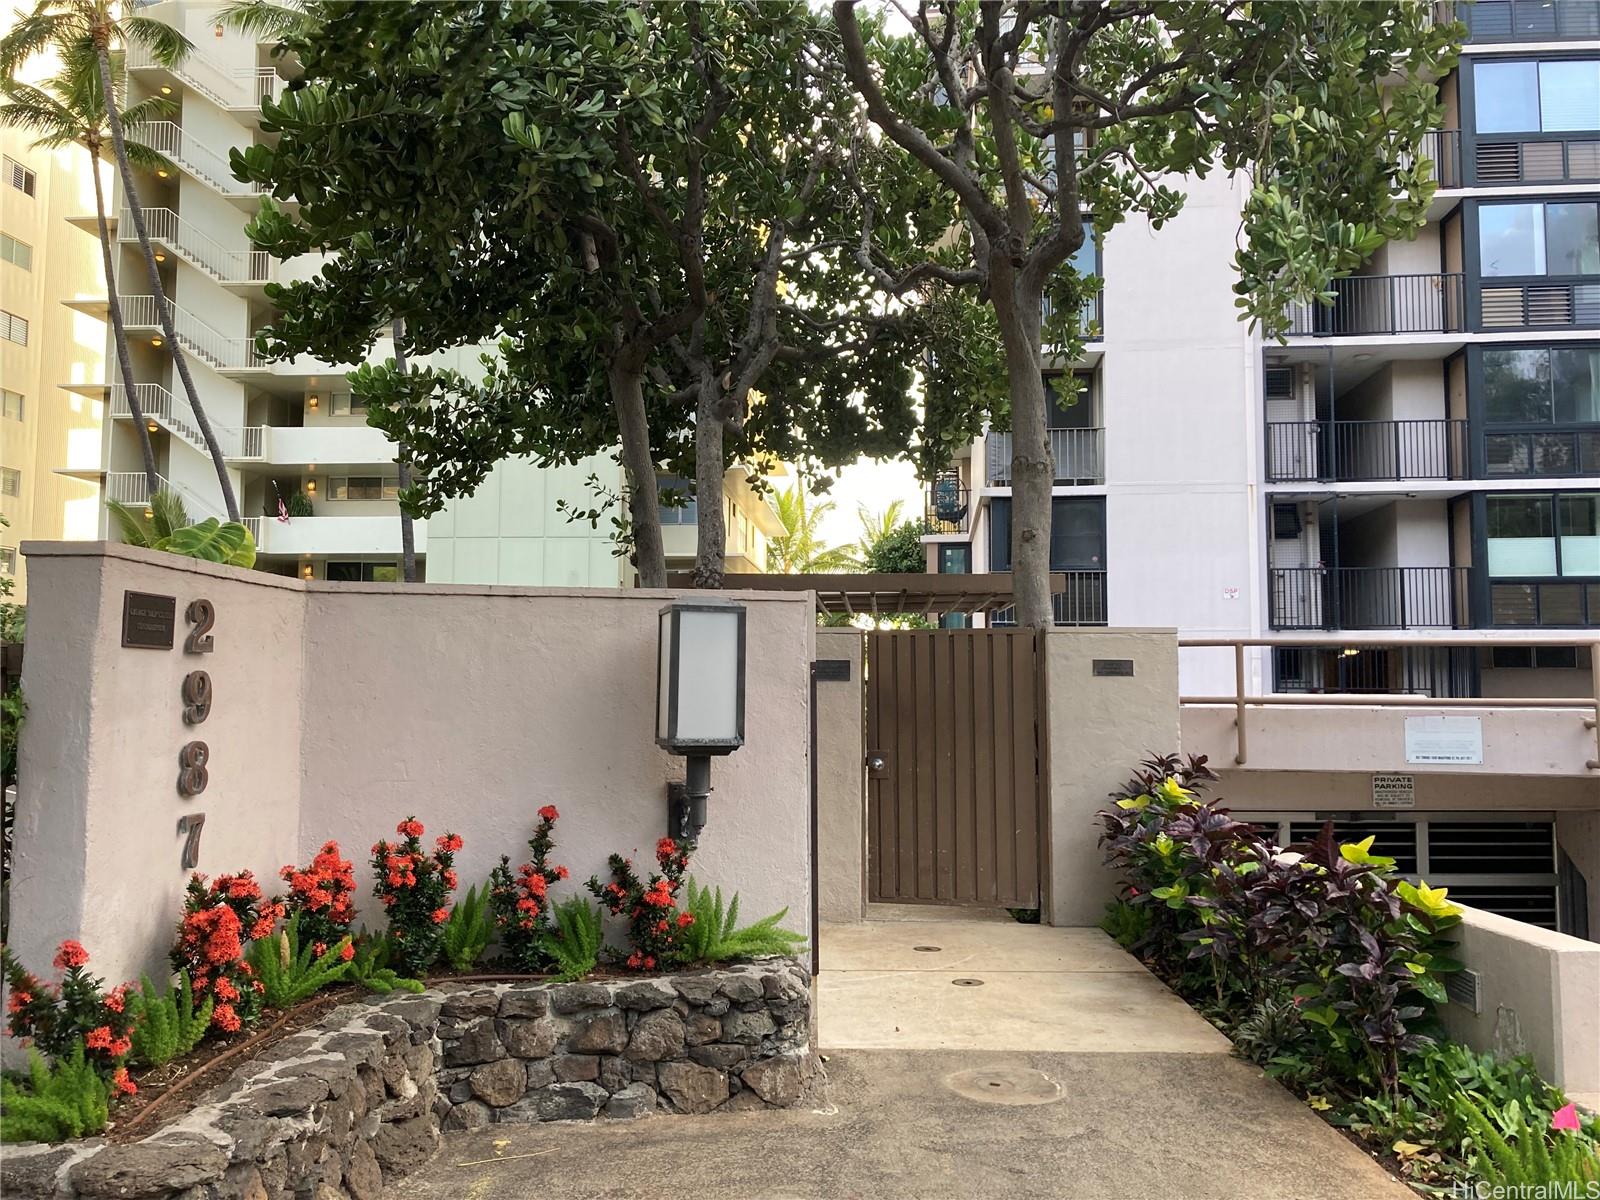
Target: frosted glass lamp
<point>699,700</point>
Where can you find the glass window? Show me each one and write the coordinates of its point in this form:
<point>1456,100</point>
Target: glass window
<point>1580,534</point>
<point>955,560</point>
<point>1511,239</point>
<point>363,487</point>
<point>1575,379</point>
<point>1572,232</point>
<point>8,560</point>
<point>18,253</point>
<point>1506,97</point>
<point>11,404</point>
<point>1069,408</point>
<point>1516,385</point>
<point>343,404</point>
<point>1569,95</point>
<point>362,572</point>
<point>684,513</point>
<point>1521,536</point>
<point>14,328</point>
<point>1077,534</point>
<point>10,481</point>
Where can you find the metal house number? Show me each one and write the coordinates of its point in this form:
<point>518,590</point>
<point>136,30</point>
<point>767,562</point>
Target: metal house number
<point>195,756</point>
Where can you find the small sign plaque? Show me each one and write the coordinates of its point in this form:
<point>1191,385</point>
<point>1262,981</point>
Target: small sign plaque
<point>1444,740</point>
<point>833,670</point>
<point>1394,791</point>
<point>147,620</point>
<point>1117,667</point>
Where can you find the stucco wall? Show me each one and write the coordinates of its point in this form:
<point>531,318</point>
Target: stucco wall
<point>1099,727</point>
<point>841,796</point>
<point>341,708</point>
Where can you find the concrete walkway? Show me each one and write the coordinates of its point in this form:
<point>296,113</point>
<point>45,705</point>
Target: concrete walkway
<point>1070,1072</point>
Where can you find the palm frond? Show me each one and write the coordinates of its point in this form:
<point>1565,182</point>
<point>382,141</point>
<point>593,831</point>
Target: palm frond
<point>167,513</point>
<point>32,34</point>
<point>133,526</point>
<point>265,20</point>
<point>166,44</point>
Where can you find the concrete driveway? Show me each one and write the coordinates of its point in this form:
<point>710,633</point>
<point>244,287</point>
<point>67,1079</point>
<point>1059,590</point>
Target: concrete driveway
<point>1068,1071</point>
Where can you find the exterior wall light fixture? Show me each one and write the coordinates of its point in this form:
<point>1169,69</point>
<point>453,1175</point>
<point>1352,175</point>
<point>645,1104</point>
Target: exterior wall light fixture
<point>311,487</point>
<point>699,700</point>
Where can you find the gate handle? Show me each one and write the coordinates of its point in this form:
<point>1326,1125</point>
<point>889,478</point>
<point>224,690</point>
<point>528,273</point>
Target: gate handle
<point>877,762</point>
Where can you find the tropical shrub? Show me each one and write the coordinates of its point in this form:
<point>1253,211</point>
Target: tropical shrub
<point>167,1024</point>
<point>469,929</point>
<point>715,935</point>
<point>290,971</point>
<point>573,945</point>
<point>520,898</point>
<point>59,1100</point>
<point>168,528</point>
<point>218,917</point>
<point>322,895</point>
<point>655,925</point>
<point>76,1012</point>
<point>1549,1159</point>
<point>415,888</point>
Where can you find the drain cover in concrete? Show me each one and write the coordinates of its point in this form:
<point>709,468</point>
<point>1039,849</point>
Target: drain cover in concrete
<point>1005,1085</point>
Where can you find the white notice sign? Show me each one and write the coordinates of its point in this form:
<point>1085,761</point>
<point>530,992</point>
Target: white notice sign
<point>1394,791</point>
<point>1444,740</point>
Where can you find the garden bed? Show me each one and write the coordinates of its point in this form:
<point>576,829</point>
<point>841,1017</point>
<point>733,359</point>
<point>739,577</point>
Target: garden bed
<point>358,1097</point>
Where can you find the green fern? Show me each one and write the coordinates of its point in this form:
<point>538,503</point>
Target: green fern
<point>370,968</point>
<point>65,1100</point>
<point>290,972</point>
<point>166,1023</point>
<point>574,944</point>
<point>716,936</point>
<point>468,931</point>
<point>1530,1160</point>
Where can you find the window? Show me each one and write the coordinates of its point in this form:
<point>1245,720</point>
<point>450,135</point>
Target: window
<point>1529,657</point>
<point>18,254</point>
<point>1539,239</point>
<point>1077,534</point>
<point>955,559</point>
<point>363,572</point>
<point>1542,385</point>
<point>363,487</point>
<point>1544,535</point>
<point>19,177</point>
<point>678,505</point>
<point>11,405</point>
<point>13,328</point>
<point>10,481</point>
<point>1286,521</point>
<point>1579,531</point>
<point>343,404</point>
<point>1070,401</point>
<point>8,560</point>
<point>1534,97</point>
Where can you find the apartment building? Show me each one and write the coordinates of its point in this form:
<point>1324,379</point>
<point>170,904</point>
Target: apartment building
<point>45,350</point>
<point>1408,488</point>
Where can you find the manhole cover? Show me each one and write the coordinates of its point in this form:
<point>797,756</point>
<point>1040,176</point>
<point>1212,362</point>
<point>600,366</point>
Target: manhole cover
<point>1005,1085</point>
<point>927,949</point>
<point>967,982</point>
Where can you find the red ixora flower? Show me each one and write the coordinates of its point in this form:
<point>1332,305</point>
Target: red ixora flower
<point>225,1019</point>
<point>70,954</point>
<point>410,827</point>
<point>449,843</point>
<point>548,813</point>
<point>98,1039</point>
<point>441,915</point>
<point>122,1084</point>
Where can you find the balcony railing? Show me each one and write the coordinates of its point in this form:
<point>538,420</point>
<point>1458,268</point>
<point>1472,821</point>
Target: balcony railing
<point>241,88</point>
<point>1442,147</point>
<point>220,352</point>
<point>1403,670</point>
<point>947,510</point>
<point>1541,304</point>
<point>1523,20</point>
<point>1079,456</point>
<point>194,156</point>
<point>1375,305</point>
<point>1368,598</point>
<point>1536,159</point>
<point>199,249</point>
<point>1366,451</point>
<point>1083,602</point>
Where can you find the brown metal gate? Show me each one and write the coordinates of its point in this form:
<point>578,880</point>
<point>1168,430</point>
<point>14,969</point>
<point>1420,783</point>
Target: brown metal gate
<point>954,776</point>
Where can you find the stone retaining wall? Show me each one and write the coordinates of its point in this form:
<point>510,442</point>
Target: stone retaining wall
<point>339,1110</point>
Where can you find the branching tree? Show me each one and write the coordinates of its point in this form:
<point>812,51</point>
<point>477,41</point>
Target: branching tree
<point>1043,119</point>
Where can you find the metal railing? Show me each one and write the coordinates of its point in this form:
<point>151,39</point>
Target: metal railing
<point>1082,602</point>
<point>1442,147</point>
<point>1078,454</point>
<point>194,156</point>
<point>1412,670</point>
<point>215,349</point>
<point>1368,597</point>
<point>1371,305</point>
<point>1549,158</point>
<point>948,504</point>
<point>1363,451</point>
<point>1242,699</point>
<point>1522,20</point>
<point>200,249</point>
<point>1540,304</point>
<point>252,442</point>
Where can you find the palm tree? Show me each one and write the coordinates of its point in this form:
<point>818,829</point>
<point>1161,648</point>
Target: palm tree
<point>875,527</point>
<point>90,31</point>
<point>408,542</point>
<point>69,109</point>
<point>799,550</point>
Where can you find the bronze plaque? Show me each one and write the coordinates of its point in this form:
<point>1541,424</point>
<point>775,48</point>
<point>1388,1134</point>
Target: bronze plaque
<point>147,620</point>
<point>1111,668</point>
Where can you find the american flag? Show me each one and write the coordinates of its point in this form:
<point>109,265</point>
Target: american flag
<point>283,509</point>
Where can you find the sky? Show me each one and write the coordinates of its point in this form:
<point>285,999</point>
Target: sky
<point>872,483</point>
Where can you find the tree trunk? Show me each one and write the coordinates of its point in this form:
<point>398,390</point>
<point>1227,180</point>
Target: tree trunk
<point>1032,471</point>
<point>163,309</point>
<point>408,535</point>
<point>119,336</point>
<point>711,532</point>
<point>639,467</point>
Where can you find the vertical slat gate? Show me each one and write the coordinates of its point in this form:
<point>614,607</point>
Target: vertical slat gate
<point>955,802</point>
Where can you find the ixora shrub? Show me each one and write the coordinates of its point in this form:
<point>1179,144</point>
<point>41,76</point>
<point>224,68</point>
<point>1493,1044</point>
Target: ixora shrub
<point>77,1012</point>
<point>322,895</point>
<point>218,917</point>
<point>521,898</point>
<point>415,888</point>
<point>654,923</point>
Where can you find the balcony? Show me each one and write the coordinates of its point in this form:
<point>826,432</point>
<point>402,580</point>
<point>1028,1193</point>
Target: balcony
<point>1083,602</point>
<point>1368,598</point>
<point>1536,158</point>
<point>238,90</point>
<point>207,165</point>
<point>305,445</point>
<point>1079,456</point>
<point>1538,302</point>
<point>1366,451</point>
<point>1442,147</point>
<point>1490,21</point>
<point>337,536</point>
<point>1384,305</point>
<point>196,248</point>
<point>216,350</point>
<point>948,504</point>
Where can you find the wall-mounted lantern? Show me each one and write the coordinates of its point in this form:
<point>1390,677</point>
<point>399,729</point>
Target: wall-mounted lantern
<point>312,401</point>
<point>699,700</point>
<point>311,488</point>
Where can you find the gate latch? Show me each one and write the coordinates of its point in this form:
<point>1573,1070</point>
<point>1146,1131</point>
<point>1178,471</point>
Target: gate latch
<point>877,764</point>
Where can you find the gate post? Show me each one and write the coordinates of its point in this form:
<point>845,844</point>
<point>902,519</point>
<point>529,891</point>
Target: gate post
<point>1112,698</point>
<point>841,779</point>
